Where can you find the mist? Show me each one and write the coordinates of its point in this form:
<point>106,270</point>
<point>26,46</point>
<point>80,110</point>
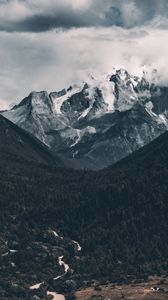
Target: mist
<point>56,59</point>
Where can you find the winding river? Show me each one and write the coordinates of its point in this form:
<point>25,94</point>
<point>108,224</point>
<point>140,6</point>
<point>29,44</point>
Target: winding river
<point>61,263</point>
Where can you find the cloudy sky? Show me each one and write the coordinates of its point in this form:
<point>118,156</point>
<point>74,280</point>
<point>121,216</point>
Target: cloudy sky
<point>49,44</point>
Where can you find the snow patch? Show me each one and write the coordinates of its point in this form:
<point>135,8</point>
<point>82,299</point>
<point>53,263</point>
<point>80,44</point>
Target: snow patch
<point>13,264</point>
<point>106,87</point>
<point>55,233</point>
<point>13,251</point>
<point>56,296</point>
<point>58,101</point>
<point>36,286</point>
<point>5,254</point>
<point>78,138</point>
<point>163,120</point>
<point>56,278</point>
<point>79,248</point>
<point>62,263</point>
<point>149,107</point>
<point>81,133</point>
<point>85,113</point>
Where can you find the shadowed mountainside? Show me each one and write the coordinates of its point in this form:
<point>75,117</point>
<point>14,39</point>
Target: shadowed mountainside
<point>18,146</point>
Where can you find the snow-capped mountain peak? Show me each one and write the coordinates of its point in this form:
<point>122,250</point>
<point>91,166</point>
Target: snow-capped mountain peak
<point>98,121</point>
<point>37,102</point>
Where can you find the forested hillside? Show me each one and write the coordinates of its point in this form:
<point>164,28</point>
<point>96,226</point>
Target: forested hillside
<point>118,215</point>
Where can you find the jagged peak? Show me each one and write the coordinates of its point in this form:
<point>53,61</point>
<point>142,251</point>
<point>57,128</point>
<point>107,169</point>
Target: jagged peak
<point>59,93</point>
<point>143,74</point>
<point>36,102</point>
<point>39,97</point>
<point>40,93</point>
<point>110,85</point>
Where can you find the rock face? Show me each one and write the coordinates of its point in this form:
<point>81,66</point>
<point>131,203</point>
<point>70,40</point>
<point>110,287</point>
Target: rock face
<point>95,124</point>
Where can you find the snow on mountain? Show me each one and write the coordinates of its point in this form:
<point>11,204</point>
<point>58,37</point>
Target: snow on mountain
<point>58,98</point>
<point>97,122</point>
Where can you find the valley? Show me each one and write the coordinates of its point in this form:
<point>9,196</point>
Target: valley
<point>83,150</point>
<point>102,225</point>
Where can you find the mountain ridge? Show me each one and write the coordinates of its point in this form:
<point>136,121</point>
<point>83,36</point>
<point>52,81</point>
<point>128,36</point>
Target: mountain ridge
<point>75,123</point>
<point>16,142</point>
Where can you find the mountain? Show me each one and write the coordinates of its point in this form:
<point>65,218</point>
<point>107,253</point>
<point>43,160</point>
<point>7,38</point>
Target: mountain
<point>96,123</point>
<point>18,146</point>
<point>118,216</point>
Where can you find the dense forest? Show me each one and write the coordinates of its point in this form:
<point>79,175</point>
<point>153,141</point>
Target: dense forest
<point>118,215</point>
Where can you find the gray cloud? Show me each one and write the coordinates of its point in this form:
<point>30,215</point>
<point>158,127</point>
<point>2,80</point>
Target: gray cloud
<point>36,55</point>
<point>40,23</point>
<point>54,60</point>
<point>38,16</point>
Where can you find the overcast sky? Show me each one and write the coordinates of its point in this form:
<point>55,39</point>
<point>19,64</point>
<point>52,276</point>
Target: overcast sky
<point>49,44</point>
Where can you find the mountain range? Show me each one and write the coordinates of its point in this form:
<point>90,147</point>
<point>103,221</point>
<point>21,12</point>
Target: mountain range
<point>63,228</point>
<point>96,123</point>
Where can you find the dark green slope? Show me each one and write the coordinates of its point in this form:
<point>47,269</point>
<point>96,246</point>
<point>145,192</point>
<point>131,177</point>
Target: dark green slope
<point>118,215</point>
<point>17,146</point>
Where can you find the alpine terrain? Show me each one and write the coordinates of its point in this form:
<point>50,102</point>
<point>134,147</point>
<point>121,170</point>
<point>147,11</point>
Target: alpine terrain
<point>96,123</point>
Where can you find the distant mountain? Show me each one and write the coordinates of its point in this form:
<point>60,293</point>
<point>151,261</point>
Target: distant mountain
<point>18,147</point>
<point>98,122</point>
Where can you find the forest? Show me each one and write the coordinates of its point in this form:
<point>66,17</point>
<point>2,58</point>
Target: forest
<point>118,215</point>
